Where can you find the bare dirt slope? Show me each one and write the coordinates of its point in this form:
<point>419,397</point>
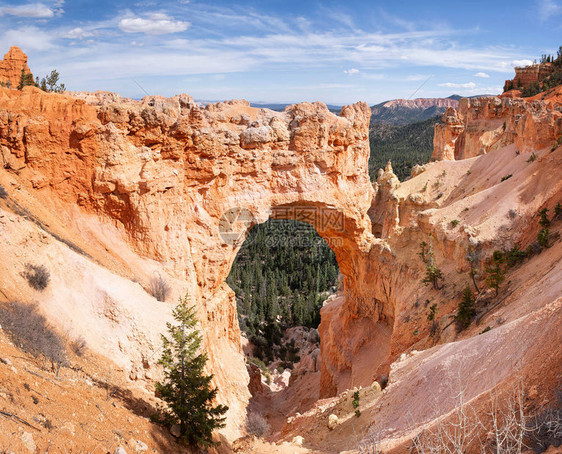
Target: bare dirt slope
<point>90,407</point>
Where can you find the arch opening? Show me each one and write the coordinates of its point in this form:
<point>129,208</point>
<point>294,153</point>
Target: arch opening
<point>281,276</point>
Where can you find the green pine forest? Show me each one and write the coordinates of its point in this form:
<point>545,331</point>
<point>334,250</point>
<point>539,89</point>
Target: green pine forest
<point>405,146</point>
<point>285,270</point>
<point>281,276</point>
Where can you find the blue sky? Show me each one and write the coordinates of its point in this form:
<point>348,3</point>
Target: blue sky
<point>283,50</point>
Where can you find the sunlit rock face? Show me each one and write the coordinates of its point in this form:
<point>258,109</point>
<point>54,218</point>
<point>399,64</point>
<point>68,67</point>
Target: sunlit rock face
<point>482,125</point>
<point>185,183</point>
<point>11,67</point>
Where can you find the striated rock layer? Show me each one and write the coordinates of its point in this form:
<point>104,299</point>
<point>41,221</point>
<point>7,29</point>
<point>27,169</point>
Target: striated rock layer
<point>528,75</point>
<point>421,103</point>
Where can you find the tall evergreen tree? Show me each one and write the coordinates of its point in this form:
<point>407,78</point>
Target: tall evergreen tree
<point>466,308</point>
<point>496,273</point>
<point>186,389</point>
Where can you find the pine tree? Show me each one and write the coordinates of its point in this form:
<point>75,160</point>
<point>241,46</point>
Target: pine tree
<point>432,274</point>
<point>424,251</point>
<point>544,221</point>
<point>186,389</point>
<point>496,273</point>
<point>51,83</point>
<point>466,308</point>
<point>25,80</point>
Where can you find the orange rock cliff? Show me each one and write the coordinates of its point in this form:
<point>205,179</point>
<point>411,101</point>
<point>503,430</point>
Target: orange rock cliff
<point>528,75</point>
<point>138,188</point>
<point>10,68</point>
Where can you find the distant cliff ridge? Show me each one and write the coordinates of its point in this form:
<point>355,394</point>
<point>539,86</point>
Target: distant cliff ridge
<point>405,111</point>
<point>421,103</point>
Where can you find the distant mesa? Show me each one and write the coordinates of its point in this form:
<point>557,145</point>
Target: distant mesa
<point>10,68</point>
<point>404,111</point>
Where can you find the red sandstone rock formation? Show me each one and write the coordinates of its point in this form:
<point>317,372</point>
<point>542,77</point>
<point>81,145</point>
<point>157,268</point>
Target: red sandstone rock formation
<point>528,75</point>
<point>166,170</point>
<point>481,125</point>
<point>10,68</point>
<point>163,172</point>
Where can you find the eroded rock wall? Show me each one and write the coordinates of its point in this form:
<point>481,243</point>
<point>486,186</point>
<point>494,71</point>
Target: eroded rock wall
<point>481,125</point>
<point>166,172</point>
<point>184,183</point>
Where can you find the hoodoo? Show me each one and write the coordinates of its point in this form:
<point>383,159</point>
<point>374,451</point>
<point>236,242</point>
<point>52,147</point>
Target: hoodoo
<point>11,67</point>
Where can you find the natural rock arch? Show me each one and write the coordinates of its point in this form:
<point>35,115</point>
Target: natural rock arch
<point>166,170</point>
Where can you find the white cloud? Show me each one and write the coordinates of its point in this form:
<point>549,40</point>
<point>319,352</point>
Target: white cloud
<point>483,75</point>
<point>33,10</point>
<point>548,9</point>
<point>468,85</point>
<point>153,24</point>
<point>519,63</point>
<point>255,44</point>
<point>78,33</point>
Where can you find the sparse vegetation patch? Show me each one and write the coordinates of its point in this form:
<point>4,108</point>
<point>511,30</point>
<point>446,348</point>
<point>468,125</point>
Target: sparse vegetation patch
<point>256,424</point>
<point>29,330</point>
<point>37,276</point>
<point>496,273</point>
<point>466,310</point>
<point>159,288</point>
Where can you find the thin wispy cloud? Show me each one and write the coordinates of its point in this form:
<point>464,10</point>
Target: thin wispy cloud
<point>519,63</point>
<point>29,38</point>
<point>469,85</point>
<point>549,9</point>
<point>257,50</point>
<point>31,10</point>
